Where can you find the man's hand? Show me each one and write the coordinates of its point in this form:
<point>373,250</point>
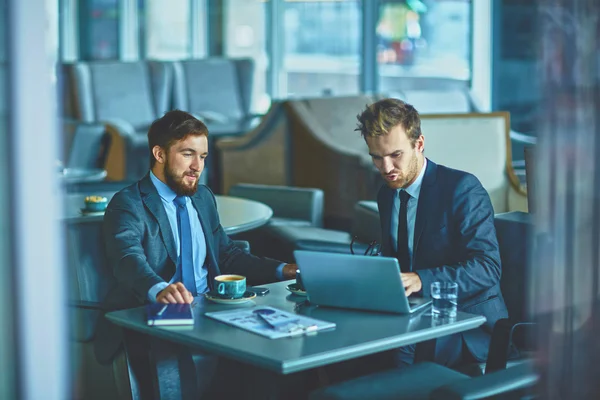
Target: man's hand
<point>174,293</point>
<point>289,271</point>
<point>412,282</point>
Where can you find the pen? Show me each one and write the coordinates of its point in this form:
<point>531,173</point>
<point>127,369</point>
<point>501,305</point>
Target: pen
<point>162,310</point>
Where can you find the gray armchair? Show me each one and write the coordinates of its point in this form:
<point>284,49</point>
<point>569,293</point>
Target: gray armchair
<point>127,97</point>
<point>328,154</point>
<point>432,381</point>
<point>297,223</point>
<point>291,206</point>
<point>365,230</point>
<point>91,279</point>
<point>86,145</point>
<point>219,92</point>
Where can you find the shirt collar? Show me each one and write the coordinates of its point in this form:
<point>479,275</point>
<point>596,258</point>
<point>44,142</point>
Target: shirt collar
<point>163,189</point>
<point>415,188</point>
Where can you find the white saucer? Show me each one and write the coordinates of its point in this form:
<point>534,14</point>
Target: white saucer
<point>247,297</point>
<point>292,287</point>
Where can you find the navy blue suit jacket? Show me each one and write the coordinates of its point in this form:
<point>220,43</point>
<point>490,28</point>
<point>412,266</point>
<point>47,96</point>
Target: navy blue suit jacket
<point>141,250</point>
<point>454,241</point>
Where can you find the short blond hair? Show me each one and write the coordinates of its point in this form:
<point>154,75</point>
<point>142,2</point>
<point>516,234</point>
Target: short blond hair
<point>380,117</point>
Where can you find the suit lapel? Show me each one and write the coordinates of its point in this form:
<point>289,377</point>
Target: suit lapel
<point>426,204</point>
<point>152,200</point>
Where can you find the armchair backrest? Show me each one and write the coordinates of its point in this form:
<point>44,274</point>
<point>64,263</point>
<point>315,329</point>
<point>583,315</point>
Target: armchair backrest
<point>304,204</point>
<point>327,153</point>
<point>135,92</point>
<point>215,85</point>
<point>476,143</point>
<point>89,270</point>
<point>88,147</point>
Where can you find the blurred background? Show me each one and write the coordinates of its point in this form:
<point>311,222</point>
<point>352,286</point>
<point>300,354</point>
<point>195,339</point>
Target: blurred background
<point>279,83</point>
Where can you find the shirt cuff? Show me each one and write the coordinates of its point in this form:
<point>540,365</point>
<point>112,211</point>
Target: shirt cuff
<point>279,272</point>
<point>426,276</point>
<point>154,290</point>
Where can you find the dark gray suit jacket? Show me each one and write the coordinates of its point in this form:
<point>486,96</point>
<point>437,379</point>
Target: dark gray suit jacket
<point>141,250</point>
<point>454,241</point>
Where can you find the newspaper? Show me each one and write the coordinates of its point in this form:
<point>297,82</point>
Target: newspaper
<point>270,322</point>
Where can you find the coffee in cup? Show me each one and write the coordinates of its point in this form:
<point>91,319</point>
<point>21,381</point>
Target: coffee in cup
<point>230,286</point>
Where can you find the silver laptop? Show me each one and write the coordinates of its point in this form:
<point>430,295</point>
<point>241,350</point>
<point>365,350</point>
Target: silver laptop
<point>352,281</point>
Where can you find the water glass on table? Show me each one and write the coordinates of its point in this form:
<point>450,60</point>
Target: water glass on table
<point>445,299</point>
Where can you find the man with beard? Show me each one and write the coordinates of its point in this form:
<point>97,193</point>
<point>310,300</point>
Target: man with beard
<point>438,222</point>
<point>163,236</point>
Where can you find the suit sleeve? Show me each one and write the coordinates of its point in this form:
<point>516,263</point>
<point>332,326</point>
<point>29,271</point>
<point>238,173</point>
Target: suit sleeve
<point>123,233</point>
<point>233,260</point>
<point>474,224</point>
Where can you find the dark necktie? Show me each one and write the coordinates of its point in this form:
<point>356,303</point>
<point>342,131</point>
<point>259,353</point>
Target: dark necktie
<point>403,254</point>
<point>186,261</point>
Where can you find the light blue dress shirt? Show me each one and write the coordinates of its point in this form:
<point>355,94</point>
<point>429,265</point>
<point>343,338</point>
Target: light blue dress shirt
<point>411,211</point>
<point>167,195</point>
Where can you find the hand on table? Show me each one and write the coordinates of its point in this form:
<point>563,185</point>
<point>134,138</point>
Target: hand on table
<point>174,293</point>
<point>289,271</point>
<point>412,282</point>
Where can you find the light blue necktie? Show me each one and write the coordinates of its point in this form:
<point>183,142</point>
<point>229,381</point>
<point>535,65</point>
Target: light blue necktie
<point>186,260</point>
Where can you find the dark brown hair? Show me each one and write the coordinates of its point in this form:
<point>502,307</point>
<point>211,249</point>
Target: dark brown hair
<point>380,117</point>
<point>175,125</point>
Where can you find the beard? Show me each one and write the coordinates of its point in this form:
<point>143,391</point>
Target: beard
<point>177,183</point>
<point>404,179</point>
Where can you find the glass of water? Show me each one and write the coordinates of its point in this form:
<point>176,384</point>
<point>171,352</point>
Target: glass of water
<point>445,298</point>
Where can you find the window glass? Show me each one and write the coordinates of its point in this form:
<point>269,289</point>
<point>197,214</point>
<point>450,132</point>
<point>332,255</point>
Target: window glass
<point>423,39</point>
<point>165,26</point>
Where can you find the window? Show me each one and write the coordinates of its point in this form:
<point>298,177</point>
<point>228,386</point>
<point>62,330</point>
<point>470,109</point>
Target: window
<point>423,39</point>
<point>245,36</point>
<point>165,25</point>
<point>99,29</point>
<point>321,47</point>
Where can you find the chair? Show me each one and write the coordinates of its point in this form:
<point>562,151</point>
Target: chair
<point>292,207</point>
<point>91,279</point>
<point>364,231</point>
<point>431,381</point>
<point>260,156</point>
<point>328,154</point>
<point>297,223</point>
<point>87,145</point>
<point>480,145</point>
<point>127,97</point>
<point>219,92</point>
<point>518,382</point>
<point>510,338</point>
